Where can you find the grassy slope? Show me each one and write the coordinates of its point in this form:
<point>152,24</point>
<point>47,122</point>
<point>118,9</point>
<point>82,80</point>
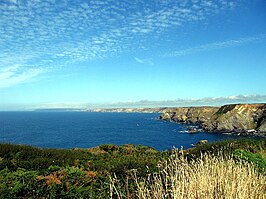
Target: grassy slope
<point>33,172</point>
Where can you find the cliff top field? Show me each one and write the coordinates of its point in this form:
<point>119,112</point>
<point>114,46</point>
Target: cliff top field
<point>129,171</point>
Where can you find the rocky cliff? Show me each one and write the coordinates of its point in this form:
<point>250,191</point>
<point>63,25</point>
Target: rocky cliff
<point>238,118</point>
<point>189,114</point>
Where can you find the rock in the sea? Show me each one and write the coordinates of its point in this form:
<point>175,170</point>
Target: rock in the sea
<point>201,142</point>
<point>192,130</point>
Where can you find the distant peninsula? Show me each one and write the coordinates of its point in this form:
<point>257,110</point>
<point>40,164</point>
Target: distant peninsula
<point>244,119</point>
<point>131,110</point>
<point>57,109</point>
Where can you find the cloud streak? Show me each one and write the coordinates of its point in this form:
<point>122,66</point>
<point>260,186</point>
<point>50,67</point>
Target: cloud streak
<point>218,45</point>
<point>12,76</point>
<point>144,61</point>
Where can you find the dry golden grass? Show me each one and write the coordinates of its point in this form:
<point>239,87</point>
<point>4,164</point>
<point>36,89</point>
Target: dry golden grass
<point>204,178</point>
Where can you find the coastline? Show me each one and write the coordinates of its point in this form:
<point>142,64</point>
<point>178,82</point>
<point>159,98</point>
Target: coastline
<point>237,119</point>
<point>240,119</point>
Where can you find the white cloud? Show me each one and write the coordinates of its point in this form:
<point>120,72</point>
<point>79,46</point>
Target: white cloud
<point>218,45</point>
<point>13,1</point>
<point>11,76</point>
<point>62,32</point>
<point>92,30</point>
<point>144,61</point>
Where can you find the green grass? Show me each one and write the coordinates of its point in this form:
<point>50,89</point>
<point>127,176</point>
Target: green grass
<point>228,146</point>
<point>256,159</point>
<point>32,172</point>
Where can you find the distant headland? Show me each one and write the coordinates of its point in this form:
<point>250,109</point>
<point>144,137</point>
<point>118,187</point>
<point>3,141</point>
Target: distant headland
<point>244,119</point>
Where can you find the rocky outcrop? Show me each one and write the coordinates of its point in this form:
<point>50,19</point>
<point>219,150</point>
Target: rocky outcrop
<point>262,127</point>
<point>189,114</point>
<point>201,142</point>
<point>242,118</point>
<point>238,118</point>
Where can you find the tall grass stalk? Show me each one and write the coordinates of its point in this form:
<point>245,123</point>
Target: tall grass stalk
<point>206,177</point>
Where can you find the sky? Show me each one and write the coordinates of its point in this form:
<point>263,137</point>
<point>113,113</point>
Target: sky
<point>131,53</point>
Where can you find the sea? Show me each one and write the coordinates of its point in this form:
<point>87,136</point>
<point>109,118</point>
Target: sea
<point>90,129</point>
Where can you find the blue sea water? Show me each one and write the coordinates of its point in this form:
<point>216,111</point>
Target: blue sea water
<point>86,129</point>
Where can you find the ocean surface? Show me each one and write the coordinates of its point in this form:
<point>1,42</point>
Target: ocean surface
<point>86,129</point>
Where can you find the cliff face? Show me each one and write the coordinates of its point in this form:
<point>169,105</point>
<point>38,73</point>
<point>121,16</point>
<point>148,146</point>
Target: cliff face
<point>240,118</point>
<point>190,114</point>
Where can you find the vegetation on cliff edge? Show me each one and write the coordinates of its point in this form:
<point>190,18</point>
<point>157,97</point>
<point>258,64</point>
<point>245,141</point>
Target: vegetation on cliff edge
<point>117,171</point>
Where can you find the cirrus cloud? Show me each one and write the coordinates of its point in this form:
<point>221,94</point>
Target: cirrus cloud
<point>218,45</point>
<point>52,33</point>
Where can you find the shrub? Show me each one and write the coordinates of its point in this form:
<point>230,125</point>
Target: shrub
<point>257,159</point>
<point>108,147</point>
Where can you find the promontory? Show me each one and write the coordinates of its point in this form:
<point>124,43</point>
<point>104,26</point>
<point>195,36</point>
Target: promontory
<point>233,118</point>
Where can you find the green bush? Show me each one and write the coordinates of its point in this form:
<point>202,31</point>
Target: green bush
<point>18,183</point>
<point>108,147</point>
<point>255,159</point>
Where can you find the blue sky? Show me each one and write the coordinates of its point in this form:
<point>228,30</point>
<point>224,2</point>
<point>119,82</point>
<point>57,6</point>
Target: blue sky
<point>93,53</point>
